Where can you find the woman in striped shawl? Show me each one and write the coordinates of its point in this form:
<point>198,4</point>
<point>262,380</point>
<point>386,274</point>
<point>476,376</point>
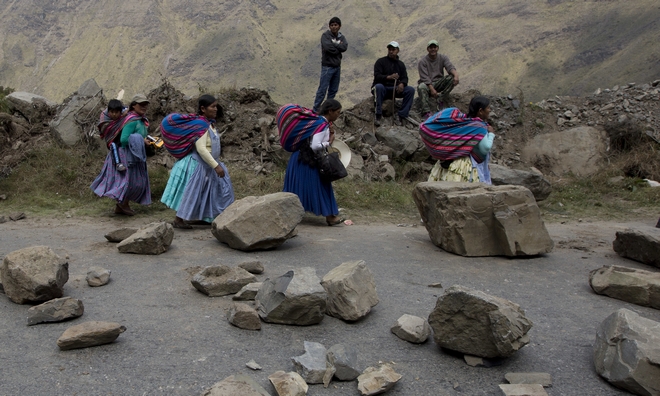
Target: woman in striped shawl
<point>302,176</point>
<point>461,143</point>
<point>133,183</point>
<point>199,187</point>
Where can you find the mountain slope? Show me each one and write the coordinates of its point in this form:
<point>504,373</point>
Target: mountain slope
<point>544,48</point>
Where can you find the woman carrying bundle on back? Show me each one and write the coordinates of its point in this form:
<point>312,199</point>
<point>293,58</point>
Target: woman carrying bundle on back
<point>130,181</point>
<point>305,134</point>
<point>199,187</point>
<point>461,143</point>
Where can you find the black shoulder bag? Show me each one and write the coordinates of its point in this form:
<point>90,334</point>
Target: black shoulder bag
<point>330,166</point>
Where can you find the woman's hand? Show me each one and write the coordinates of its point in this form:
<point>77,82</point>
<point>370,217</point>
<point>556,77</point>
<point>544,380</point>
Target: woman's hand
<point>490,129</point>
<point>332,134</point>
<point>219,171</point>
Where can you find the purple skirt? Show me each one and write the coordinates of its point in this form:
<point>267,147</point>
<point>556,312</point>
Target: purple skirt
<point>131,184</point>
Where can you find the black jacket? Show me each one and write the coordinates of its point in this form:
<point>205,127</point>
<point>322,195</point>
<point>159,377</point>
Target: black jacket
<point>331,52</point>
<point>386,66</point>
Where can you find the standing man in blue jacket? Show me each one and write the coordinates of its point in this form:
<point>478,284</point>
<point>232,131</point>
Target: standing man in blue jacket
<point>333,44</point>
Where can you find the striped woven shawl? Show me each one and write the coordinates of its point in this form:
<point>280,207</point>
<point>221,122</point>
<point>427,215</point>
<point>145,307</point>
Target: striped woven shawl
<point>296,124</point>
<point>181,131</point>
<point>109,129</point>
<point>450,134</point>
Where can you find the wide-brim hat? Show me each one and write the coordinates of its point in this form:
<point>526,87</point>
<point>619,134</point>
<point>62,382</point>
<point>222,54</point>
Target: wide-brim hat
<point>343,150</point>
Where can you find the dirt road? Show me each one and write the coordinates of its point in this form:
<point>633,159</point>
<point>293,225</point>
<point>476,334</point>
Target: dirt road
<point>178,341</point>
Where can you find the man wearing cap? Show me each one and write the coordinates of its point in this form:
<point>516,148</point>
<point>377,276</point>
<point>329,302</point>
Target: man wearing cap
<point>333,44</point>
<point>390,77</point>
<point>432,81</point>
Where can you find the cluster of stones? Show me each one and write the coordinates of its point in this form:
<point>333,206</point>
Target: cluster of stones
<point>300,298</point>
<point>37,275</point>
<point>626,348</point>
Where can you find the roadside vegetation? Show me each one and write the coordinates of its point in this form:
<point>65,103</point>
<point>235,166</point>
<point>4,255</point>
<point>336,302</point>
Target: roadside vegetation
<point>54,181</point>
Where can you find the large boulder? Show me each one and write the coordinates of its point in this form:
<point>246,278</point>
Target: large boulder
<point>473,219</point>
<point>33,108</point>
<point>533,180</point>
<point>89,334</point>
<point>627,284</point>
<point>87,100</point>
<point>351,290</point>
<point>473,322</point>
<point>295,298</point>
<point>221,280</point>
<point>580,151</point>
<point>33,275</point>
<point>642,244</point>
<point>154,238</point>
<point>626,352</point>
<point>258,223</point>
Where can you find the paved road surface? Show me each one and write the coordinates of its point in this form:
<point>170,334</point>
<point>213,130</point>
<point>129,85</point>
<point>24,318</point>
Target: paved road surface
<point>178,341</point>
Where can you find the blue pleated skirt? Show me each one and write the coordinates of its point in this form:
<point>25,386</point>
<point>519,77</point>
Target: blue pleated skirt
<point>315,195</point>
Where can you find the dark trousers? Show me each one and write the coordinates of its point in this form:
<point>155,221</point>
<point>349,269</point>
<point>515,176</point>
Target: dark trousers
<point>382,92</point>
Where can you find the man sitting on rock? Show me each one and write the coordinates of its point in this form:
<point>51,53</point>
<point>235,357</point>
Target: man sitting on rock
<point>432,81</point>
<point>391,78</point>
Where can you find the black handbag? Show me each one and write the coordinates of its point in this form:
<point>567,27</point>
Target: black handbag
<point>330,166</point>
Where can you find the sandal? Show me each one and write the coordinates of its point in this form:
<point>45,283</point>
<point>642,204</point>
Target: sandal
<point>333,223</point>
<point>182,225</point>
<point>121,210</point>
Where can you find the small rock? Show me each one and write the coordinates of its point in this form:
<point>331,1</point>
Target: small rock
<point>543,379</point>
<point>376,380</point>
<point>221,280</point>
<point>312,364</point>
<point>288,384</point>
<point>244,316</point>
<point>474,361</point>
<point>345,361</point>
<point>523,390</point>
<point>98,276</point>
<point>253,365</point>
<point>55,310</point>
<point>17,216</point>
<point>351,290</point>
<point>248,292</point>
<point>154,238</point>
<point>412,329</point>
<point>628,284</point>
<point>437,285</point>
<point>383,158</point>
<point>120,234</point>
<point>236,385</point>
<point>89,334</point>
<point>253,267</point>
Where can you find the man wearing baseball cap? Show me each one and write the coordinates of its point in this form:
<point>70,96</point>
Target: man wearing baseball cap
<point>391,78</point>
<point>432,81</point>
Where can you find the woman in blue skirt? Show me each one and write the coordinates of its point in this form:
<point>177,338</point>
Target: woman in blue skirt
<point>302,176</point>
<point>199,187</point>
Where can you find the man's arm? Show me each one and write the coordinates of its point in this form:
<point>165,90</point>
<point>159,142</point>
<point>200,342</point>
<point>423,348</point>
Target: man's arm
<point>450,68</point>
<point>380,74</point>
